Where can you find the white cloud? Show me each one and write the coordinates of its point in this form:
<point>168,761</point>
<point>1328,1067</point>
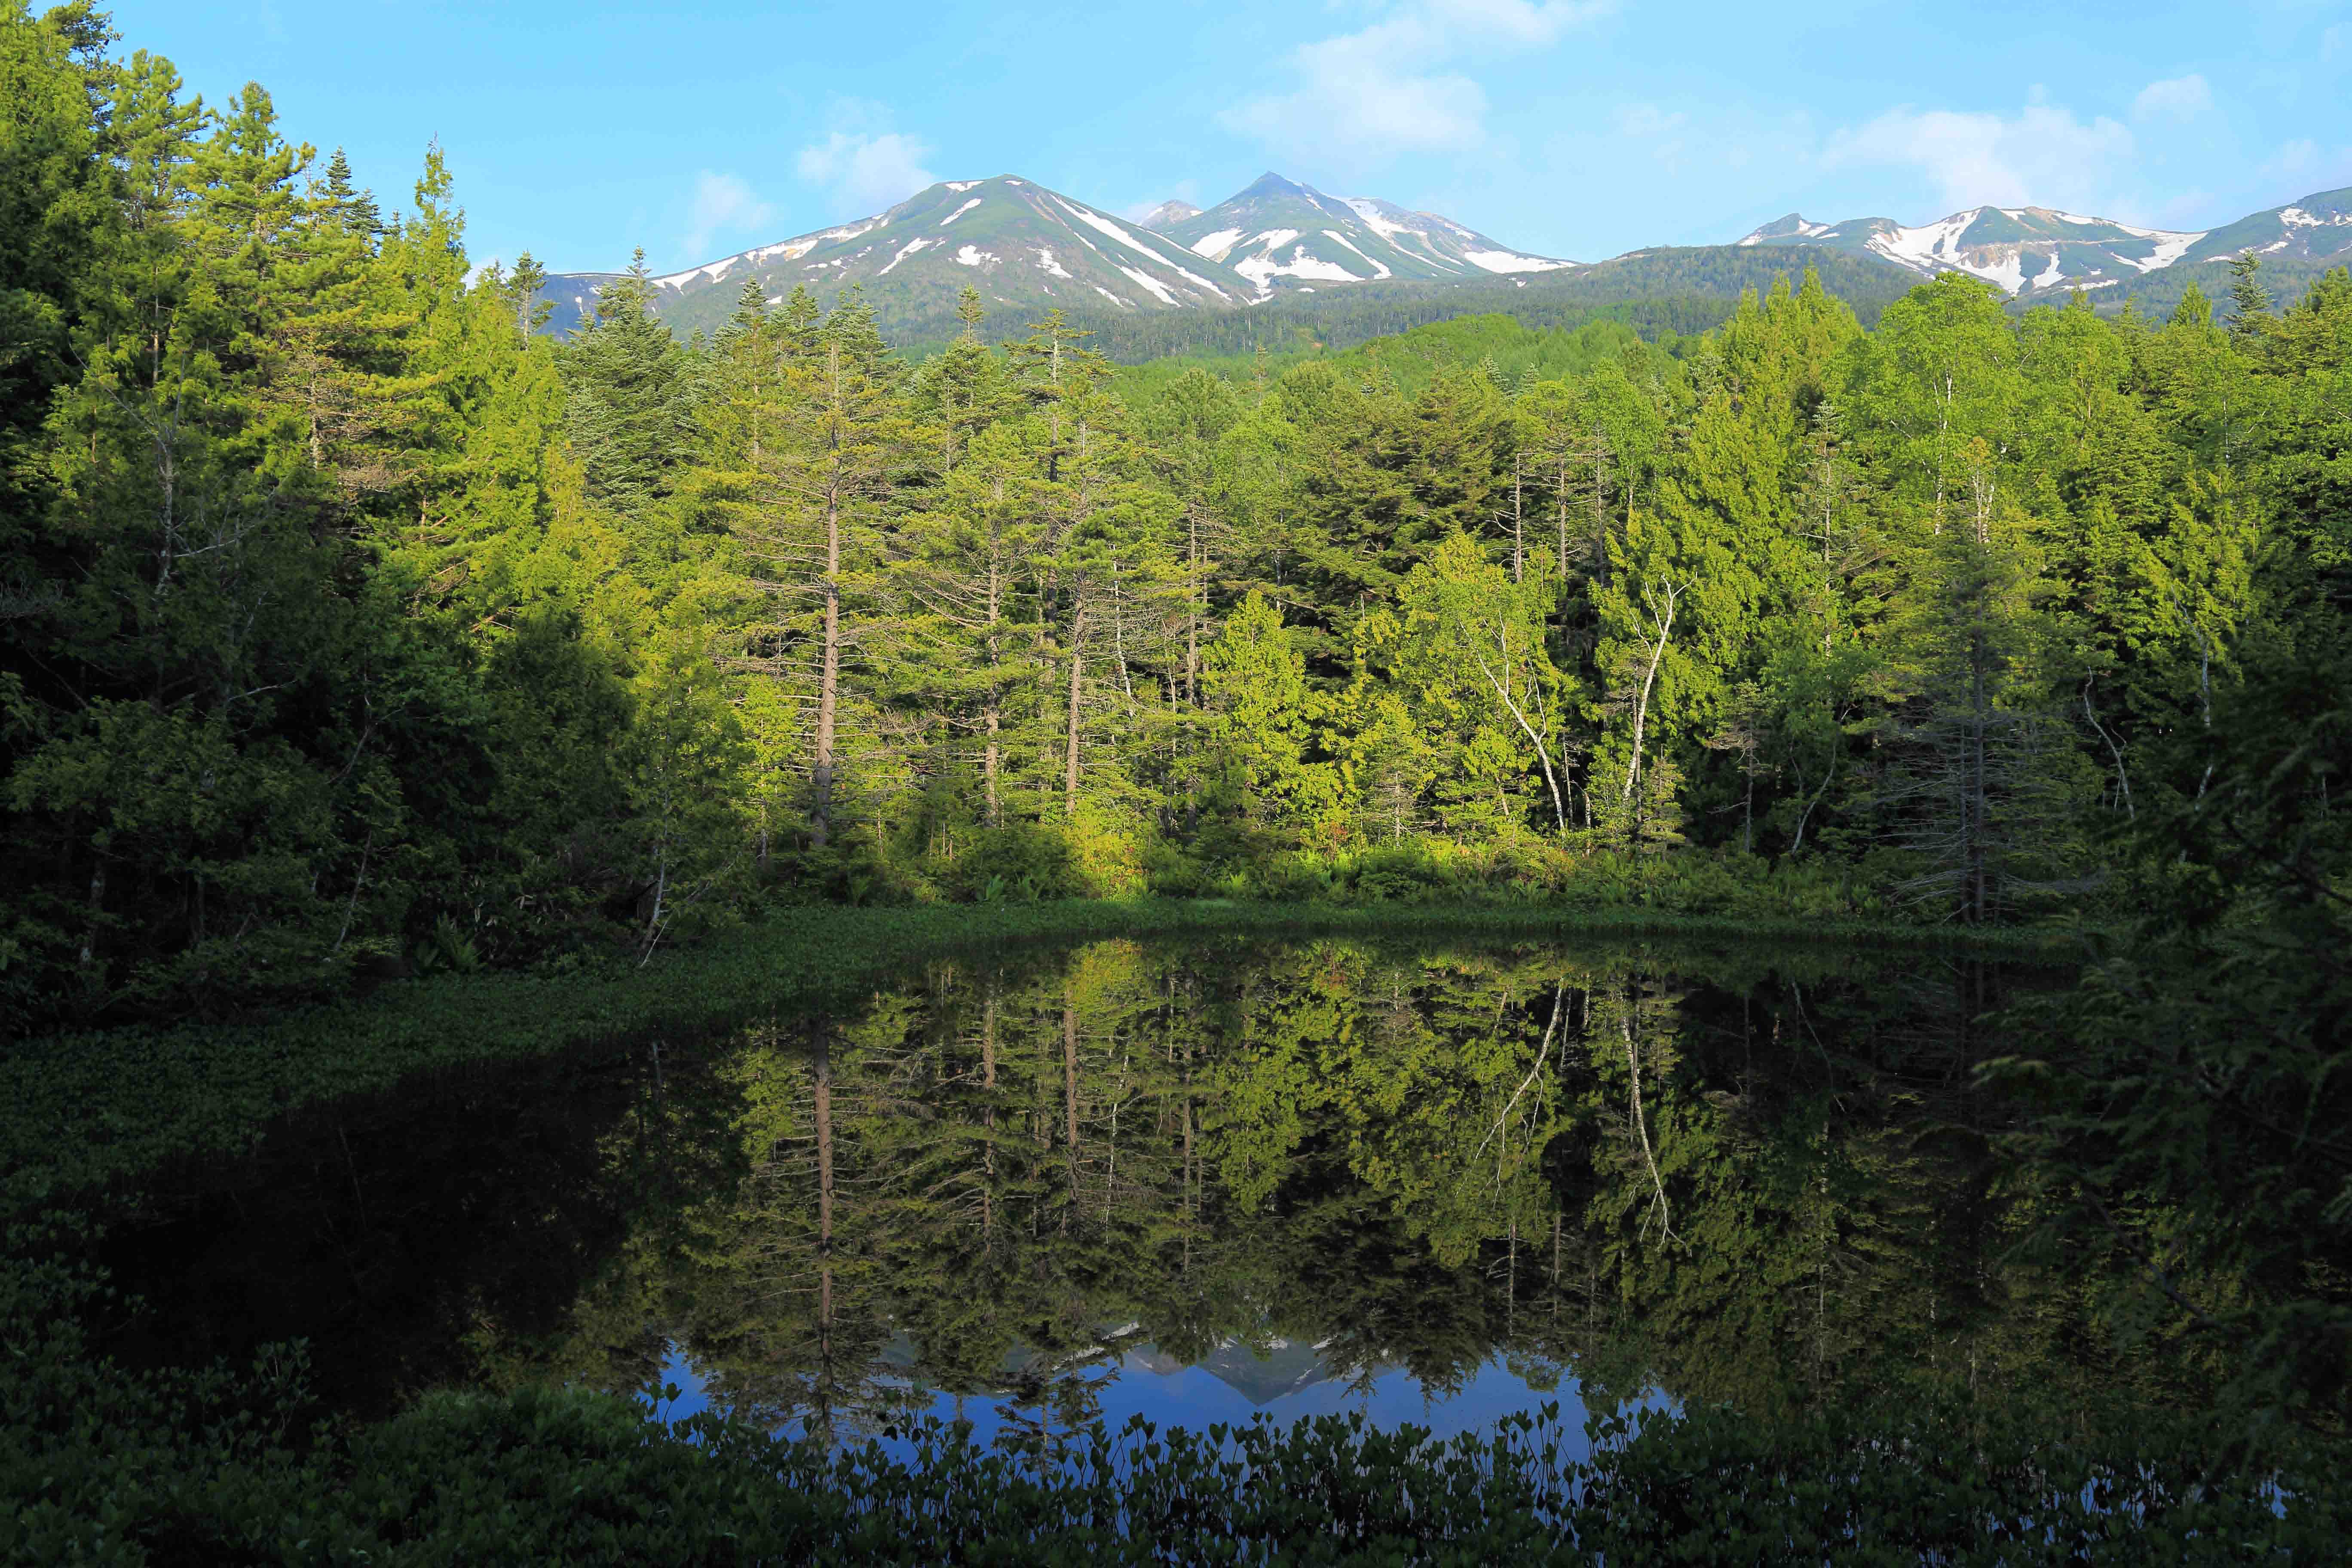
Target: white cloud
<point>722,204</point>
<point>867,169</point>
<point>2177,97</point>
<point>1662,132</point>
<point>2314,167</point>
<point>1515,21</point>
<point>2042,155</point>
<point>1371,94</point>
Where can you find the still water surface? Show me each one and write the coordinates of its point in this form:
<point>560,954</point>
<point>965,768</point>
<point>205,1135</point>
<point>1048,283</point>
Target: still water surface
<point>1431,1182</point>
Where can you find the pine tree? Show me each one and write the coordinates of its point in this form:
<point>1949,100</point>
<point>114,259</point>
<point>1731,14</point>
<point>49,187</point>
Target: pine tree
<point>631,415</point>
<point>2250,303</point>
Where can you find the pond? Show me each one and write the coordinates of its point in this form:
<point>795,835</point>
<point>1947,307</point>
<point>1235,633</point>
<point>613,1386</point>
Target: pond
<point>1434,1183</point>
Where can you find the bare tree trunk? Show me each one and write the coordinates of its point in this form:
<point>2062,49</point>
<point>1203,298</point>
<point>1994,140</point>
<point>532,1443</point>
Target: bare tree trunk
<point>2123,780</point>
<point>1193,609</point>
<point>989,762</point>
<point>1600,509</point>
<point>1642,1128</point>
<point>1519,518</point>
<point>1543,752</point>
<point>1070,742</point>
<point>1070,1093</point>
<point>824,1109</point>
<point>828,699</point>
<point>1641,705</point>
<point>97,903</point>
<point>993,712</point>
<point>1560,504</point>
<point>988,1086</point>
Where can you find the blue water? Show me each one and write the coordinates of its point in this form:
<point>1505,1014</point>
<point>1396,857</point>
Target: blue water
<point>1142,1383</point>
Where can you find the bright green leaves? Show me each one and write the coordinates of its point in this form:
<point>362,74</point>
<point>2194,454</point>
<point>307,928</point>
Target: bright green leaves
<point>1468,651</point>
<point>1266,722</point>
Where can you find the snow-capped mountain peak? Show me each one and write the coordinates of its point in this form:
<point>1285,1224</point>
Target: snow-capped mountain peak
<point>2030,250</point>
<point>1279,234</point>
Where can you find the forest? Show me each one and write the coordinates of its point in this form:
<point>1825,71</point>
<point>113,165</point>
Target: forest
<point>398,698</point>
<point>351,626</point>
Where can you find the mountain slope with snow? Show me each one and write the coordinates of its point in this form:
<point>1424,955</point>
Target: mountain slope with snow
<point>1285,248</point>
<point>2037,251</point>
<point>1280,234</point>
<point>1024,248</point>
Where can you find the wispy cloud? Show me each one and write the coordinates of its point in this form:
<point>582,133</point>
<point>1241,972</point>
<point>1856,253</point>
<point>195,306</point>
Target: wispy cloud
<point>2304,161</point>
<point>722,204</point>
<point>1384,89</point>
<point>1663,133</point>
<point>865,167</point>
<point>2176,97</point>
<point>2042,153</point>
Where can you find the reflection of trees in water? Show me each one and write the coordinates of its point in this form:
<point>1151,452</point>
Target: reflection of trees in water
<point>995,1181</point>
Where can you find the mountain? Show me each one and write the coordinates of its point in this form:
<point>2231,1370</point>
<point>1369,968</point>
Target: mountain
<point>1170,212</point>
<point>2034,252</point>
<point>1280,234</point>
<point>1281,262</point>
<point>1025,247</point>
<point>2314,232</point>
<point>1283,1367</point>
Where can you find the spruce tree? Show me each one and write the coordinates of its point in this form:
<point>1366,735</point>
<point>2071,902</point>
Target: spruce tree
<point>2250,302</point>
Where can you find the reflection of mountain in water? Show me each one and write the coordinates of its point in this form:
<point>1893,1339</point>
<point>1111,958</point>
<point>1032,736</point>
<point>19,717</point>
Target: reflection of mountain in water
<point>1261,1375</point>
<point>1260,1372</point>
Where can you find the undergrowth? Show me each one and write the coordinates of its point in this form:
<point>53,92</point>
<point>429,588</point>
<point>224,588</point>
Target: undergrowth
<point>102,1466</point>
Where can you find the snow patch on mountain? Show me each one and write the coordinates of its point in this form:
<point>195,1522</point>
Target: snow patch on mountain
<point>782,250</point>
<point>912,245</point>
<point>1510,261</point>
<point>1103,225</point>
<point>1218,245</point>
<point>967,206</point>
<point>1263,269</point>
<point>972,256</point>
<point>1380,269</point>
<point>2169,245</point>
<point>2042,239</point>
<point>1368,209</point>
<point>715,272</point>
<point>1046,260</point>
<point>1152,285</point>
<point>1111,230</point>
<point>1924,247</point>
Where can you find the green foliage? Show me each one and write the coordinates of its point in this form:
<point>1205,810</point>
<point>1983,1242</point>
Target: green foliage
<point>105,1466</point>
<point>339,604</point>
<point>2195,1082</point>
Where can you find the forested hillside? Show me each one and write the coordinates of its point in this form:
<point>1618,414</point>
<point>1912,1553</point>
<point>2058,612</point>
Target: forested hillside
<point>348,626</point>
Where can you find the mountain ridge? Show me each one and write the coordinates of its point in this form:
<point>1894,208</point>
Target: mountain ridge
<point>1026,249</point>
<point>2035,252</point>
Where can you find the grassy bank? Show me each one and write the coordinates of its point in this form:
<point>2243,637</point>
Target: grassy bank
<point>80,1111</point>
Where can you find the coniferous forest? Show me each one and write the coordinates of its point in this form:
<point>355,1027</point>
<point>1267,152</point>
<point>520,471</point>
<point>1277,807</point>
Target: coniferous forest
<point>354,629</point>
<point>350,623</point>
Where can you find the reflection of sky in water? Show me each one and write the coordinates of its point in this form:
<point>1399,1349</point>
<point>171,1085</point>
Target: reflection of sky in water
<point>1196,1397</point>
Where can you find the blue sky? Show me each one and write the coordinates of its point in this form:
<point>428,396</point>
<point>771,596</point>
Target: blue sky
<point>1578,128</point>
